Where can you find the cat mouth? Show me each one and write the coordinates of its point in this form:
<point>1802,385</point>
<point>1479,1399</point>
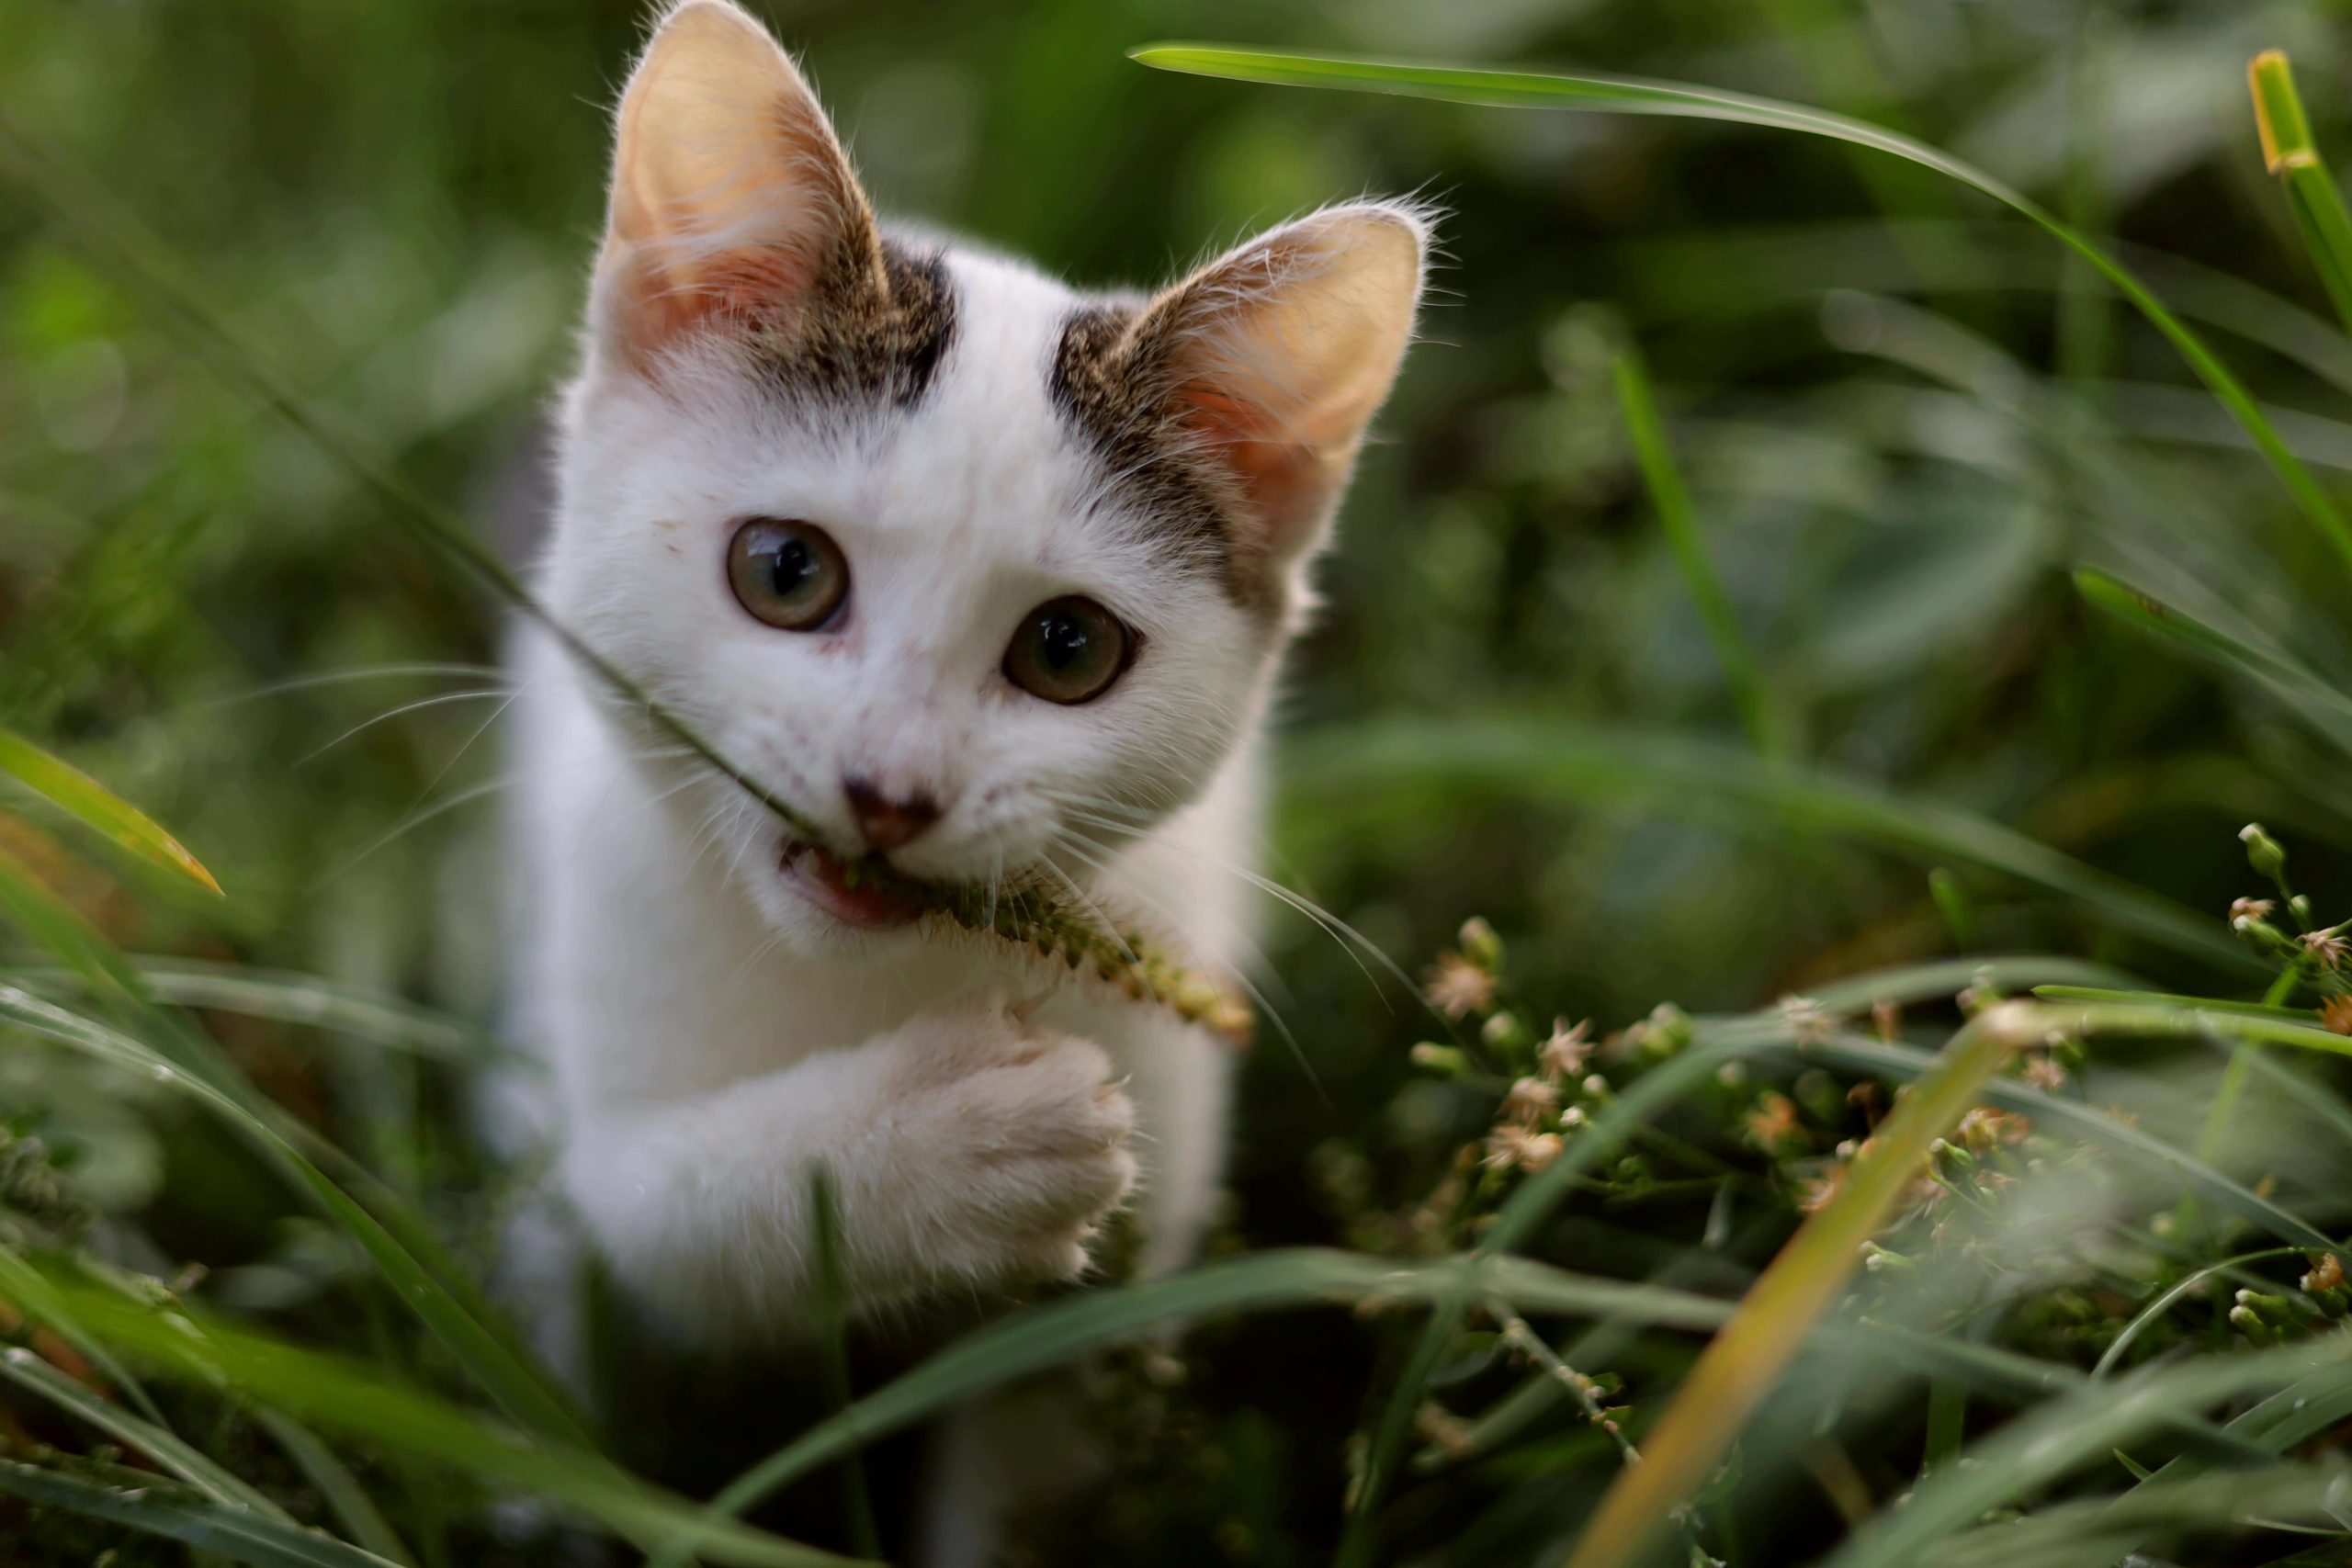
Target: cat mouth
<point>859,893</point>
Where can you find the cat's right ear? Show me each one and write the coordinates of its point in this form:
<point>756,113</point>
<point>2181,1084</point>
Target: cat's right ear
<point>732,202</point>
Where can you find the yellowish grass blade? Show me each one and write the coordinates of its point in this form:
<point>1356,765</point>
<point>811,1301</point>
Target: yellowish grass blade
<point>99,808</point>
<point>1748,1358</point>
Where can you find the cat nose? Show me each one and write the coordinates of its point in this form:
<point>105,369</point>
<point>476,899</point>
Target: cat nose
<point>887,823</point>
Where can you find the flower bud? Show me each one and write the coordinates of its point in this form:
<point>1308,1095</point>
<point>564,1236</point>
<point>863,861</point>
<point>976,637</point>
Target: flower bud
<point>2262,851</point>
<point>1444,1060</point>
<point>1480,945</point>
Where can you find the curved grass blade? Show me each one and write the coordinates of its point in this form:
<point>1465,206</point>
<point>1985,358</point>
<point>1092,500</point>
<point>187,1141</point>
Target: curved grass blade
<point>1060,1331</point>
<point>1770,1325</point>
<point>1521,1212</point>
<point>2322,705</point>
<point>2044,1446</point>
<point>99,808</point>
<point>1944,978</point>
<point>29,1371</point>
<point>2063,993</point>
<point>2187,1285</point>
<point>1338,769</point>
<point>364,1403</point>
<point>1715,1042</point>
<point>285,997</point>
<point>1638,403</point>
<point>361,1519</point>
<point>402,1248</point>
<point>2081,1120</point>
<point>2092,1534</point>
<point>236,1534</point>
<point>21,1287</point>
<point>1532,89</point>
<point>2311,194</point>
<point>518,1387</point>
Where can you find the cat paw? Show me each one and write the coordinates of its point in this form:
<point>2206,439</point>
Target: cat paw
<point>1017,1137</point>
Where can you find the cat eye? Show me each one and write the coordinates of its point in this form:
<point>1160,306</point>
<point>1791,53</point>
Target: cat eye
<point>788,573</point>
<point>1068,650</point>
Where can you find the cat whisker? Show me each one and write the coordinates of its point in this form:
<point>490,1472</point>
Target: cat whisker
<point>437,700</point>
<point>1351,942</point>
<point>1258,997</point>
<point>362,672</point>
<point>413,821</point>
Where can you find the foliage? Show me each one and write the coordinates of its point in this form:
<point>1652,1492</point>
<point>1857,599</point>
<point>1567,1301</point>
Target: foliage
<point>1758,597</point>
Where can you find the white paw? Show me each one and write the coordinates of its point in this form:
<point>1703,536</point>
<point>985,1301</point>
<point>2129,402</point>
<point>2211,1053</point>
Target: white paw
<point>1015,1143</point>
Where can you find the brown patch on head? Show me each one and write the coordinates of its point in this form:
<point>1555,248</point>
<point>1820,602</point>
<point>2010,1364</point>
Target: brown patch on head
<point>873,327</point>
<point>1113,379</point>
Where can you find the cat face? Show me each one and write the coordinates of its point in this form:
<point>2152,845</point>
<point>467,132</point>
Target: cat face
<point>977,574</point>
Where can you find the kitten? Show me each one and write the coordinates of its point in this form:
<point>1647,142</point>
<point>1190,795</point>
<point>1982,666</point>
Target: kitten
<point>986,578</point>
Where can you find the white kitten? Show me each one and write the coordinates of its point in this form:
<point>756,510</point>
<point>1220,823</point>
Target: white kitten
<point>981,576</point>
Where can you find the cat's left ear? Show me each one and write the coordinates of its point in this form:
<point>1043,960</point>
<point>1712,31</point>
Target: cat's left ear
<point>1275,357</point>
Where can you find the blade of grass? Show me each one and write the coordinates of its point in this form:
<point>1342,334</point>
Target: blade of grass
<point>95,805</point>
<point>2051,993</point>
<point>2187,1286</point>
<point>415,1265</point>
<point>1524,1210</point>
<point>1342,770</point>
<point>2092,1533</point>
<point>2322,705</point>
<point>832,1316</point>
<point>1638,404</point>
<point>365,1405</point>
<point>29,1371</point>
<point>19,1287</point>
<point>1529,89</point>
<point>1901,1062</point>
<point>1769,1326</point>
<point>1060,1331</point>
<point>2311,194</point>
<point>1952,903</point>
<point>235,1534</point>
<point>285,997</point>
<point>1715,1042</point>
<point>361,1519</point>
<point>518,1387</point>
<point>2042,1447</point>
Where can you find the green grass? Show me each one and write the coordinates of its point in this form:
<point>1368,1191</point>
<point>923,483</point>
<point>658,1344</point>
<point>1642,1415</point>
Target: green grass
<point>1880,660</point>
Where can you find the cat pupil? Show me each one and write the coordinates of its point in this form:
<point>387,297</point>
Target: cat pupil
<point>794,564</point>
<point>1064,640</point>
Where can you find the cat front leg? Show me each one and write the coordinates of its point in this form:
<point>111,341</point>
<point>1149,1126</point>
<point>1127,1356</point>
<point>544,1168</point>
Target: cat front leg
<point>970,1147</point>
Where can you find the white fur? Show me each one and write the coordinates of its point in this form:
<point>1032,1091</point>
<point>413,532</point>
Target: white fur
<point>714,1035</point>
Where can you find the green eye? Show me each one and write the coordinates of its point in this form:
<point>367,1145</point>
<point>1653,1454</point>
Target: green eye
<point>788,574</point>
<point>1068,650</point>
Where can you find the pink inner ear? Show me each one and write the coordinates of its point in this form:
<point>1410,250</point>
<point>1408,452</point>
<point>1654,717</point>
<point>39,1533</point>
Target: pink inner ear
<point>1280,476</point>
<point>669,295</point>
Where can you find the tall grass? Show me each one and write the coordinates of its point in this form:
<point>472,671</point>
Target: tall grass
<point>1936,1260</point>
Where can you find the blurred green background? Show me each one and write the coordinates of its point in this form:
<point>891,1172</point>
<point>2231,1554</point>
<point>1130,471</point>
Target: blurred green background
<point>1902,414</point>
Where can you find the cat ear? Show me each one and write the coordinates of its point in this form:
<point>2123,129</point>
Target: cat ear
<point>731,198</point>
<point>1274,357</point>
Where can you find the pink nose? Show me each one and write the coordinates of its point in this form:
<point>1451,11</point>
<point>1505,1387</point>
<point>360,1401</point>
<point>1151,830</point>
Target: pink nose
<point>887,823</point>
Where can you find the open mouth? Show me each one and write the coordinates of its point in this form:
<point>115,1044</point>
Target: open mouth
<point>857,893</point>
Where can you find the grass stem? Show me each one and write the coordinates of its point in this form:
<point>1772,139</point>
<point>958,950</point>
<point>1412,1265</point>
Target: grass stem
<point>1638,402</point>
<point>2312,195</point>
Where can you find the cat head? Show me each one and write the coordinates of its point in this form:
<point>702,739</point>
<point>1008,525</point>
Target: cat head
<point>962,565</point>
